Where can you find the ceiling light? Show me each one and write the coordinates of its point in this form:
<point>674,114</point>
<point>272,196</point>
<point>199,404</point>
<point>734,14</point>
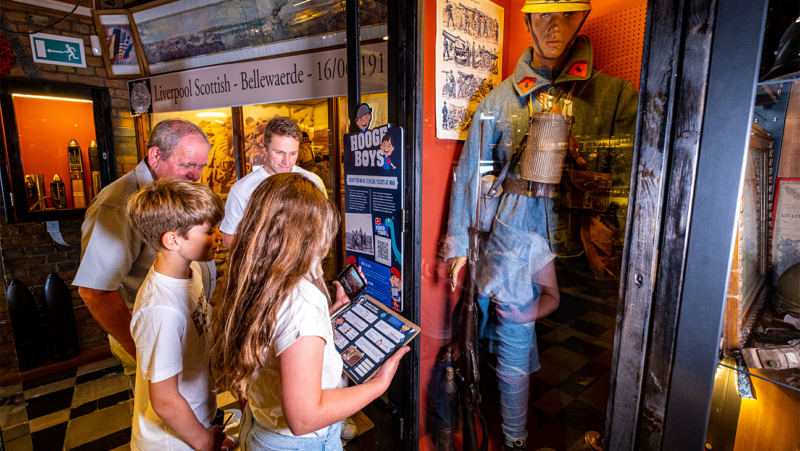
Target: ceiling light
<point>64,99</point>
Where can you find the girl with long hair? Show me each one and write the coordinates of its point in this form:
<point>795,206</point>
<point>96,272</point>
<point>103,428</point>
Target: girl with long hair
<point>272,329</point>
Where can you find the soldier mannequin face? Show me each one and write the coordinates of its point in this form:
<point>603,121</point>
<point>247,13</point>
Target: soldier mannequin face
<point>551,34</point>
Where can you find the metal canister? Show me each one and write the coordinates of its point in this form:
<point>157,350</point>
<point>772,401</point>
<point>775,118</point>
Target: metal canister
<point>58,192</point>
<point>447,427</point>
<point>37,201</point>
<point>96,183</point>
<point>75,157</point>
<point>30,189</point>
<point>590,441</point>
<point>548,141</point>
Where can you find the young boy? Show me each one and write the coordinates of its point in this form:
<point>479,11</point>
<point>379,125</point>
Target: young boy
<point>175,402</point>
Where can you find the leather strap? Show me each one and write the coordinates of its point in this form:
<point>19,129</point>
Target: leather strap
<point>575,152</point>
<point>530,189</point>
<point>591,252</point>
<point>598,242</point>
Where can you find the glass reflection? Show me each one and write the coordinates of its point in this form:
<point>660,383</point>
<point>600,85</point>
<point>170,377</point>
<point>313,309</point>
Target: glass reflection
<point>549,230</point>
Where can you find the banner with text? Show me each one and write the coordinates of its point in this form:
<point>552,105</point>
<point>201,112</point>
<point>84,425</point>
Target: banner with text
<point>373,193</point>
<point>301,77</point>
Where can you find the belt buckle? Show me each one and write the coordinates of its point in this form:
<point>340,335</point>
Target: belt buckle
<point>529,192</point>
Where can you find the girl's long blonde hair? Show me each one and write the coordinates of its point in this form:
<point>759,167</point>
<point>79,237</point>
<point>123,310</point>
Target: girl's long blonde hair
<point>288,226</point>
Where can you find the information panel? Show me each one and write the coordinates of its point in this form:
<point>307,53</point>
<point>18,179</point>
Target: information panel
<point>373,171</point>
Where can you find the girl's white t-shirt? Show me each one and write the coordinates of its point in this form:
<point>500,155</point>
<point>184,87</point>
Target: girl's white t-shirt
<point>304,314</point>
<point>170,325</point>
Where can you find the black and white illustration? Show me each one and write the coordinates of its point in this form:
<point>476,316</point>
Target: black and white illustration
<point>358,233</point>
<point>469,45</point>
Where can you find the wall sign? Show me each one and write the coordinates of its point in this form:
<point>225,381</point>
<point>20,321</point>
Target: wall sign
<point>58,50</point>
<point>373,191</point>
<point>300,77</point>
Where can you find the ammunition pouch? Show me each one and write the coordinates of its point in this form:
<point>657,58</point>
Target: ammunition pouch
<point>585,190</point>
<point>601,242</point>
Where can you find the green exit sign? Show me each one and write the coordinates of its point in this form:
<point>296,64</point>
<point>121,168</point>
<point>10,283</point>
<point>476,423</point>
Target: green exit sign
<point>59,50</point>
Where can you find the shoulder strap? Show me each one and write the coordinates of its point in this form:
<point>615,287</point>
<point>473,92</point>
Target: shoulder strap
<point>517,153</point>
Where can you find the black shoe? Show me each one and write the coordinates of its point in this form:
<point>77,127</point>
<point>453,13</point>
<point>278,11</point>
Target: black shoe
<point>519,445</point>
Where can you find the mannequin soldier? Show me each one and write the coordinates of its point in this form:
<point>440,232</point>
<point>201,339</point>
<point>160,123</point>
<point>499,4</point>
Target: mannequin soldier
<point>515,279</point>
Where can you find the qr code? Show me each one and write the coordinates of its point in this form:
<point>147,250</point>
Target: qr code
<point>383,250</point>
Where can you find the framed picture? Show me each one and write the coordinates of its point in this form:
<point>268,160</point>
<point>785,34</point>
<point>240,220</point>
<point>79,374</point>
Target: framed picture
<point>752,257</point>
<point>120,42</point>
<point>188,34</point>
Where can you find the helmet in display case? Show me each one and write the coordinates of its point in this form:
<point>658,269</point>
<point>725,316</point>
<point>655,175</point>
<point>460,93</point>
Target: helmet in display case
<point>787,290</point>
<point>787,61</point>
<point>556,6</point>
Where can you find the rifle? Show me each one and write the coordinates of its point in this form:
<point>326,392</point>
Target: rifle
<point>468,362</point>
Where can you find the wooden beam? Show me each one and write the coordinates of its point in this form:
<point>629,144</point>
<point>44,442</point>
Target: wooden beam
<point>142,128</point>
<point>645,216</point>
<point>695,42</point>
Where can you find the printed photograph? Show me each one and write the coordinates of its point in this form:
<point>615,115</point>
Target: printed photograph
<point>220,172</point>
<point>358,232</point>
<point>307,117</point>
<point>119,41</point>
<point>352,355</point>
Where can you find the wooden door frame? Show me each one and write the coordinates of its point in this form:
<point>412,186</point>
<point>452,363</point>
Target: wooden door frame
<point>701,60</point>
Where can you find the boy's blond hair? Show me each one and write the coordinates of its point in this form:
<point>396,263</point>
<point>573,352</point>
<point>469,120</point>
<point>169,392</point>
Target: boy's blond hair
<point>173,205</point>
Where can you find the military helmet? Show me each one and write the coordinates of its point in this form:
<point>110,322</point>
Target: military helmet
<point>556,6</point>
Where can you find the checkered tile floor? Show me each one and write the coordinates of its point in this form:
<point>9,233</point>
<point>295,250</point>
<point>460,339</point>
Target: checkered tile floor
<point>84,408</point>
<point>569,394</point>
<point>87,408</point>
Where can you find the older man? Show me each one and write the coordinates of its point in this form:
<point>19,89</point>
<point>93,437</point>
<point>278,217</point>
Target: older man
<point>114,259</point>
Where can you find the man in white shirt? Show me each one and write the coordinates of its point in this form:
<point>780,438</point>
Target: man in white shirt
<point>282,140</point>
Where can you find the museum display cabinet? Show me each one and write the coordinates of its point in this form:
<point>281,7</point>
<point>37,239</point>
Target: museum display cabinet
<point>58,152</point>
<point>756,394</point>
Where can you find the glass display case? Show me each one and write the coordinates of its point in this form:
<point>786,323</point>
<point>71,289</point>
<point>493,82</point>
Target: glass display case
<point>313,118</point>
<point>542,252</point>
<point>218,124</point>
<point>58,147</point>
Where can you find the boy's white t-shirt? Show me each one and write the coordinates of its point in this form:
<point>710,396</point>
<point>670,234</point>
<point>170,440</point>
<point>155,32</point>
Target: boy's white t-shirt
<point>304,313</point>
<point>171,325</point>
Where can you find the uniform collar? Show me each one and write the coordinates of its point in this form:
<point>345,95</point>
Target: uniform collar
<point>143,174</point>
<point>577,68</point>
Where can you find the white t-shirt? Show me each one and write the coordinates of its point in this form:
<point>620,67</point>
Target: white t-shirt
<point>171,328</point>
<point>242,190</point>
<point>303,314</point>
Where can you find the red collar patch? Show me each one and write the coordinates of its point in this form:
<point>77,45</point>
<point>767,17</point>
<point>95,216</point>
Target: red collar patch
<point>526,84</point>
<point>577,68</point>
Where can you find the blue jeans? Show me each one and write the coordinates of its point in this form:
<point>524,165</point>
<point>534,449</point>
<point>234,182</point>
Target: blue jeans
<point>510,258</point>
<point>255,437</point>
